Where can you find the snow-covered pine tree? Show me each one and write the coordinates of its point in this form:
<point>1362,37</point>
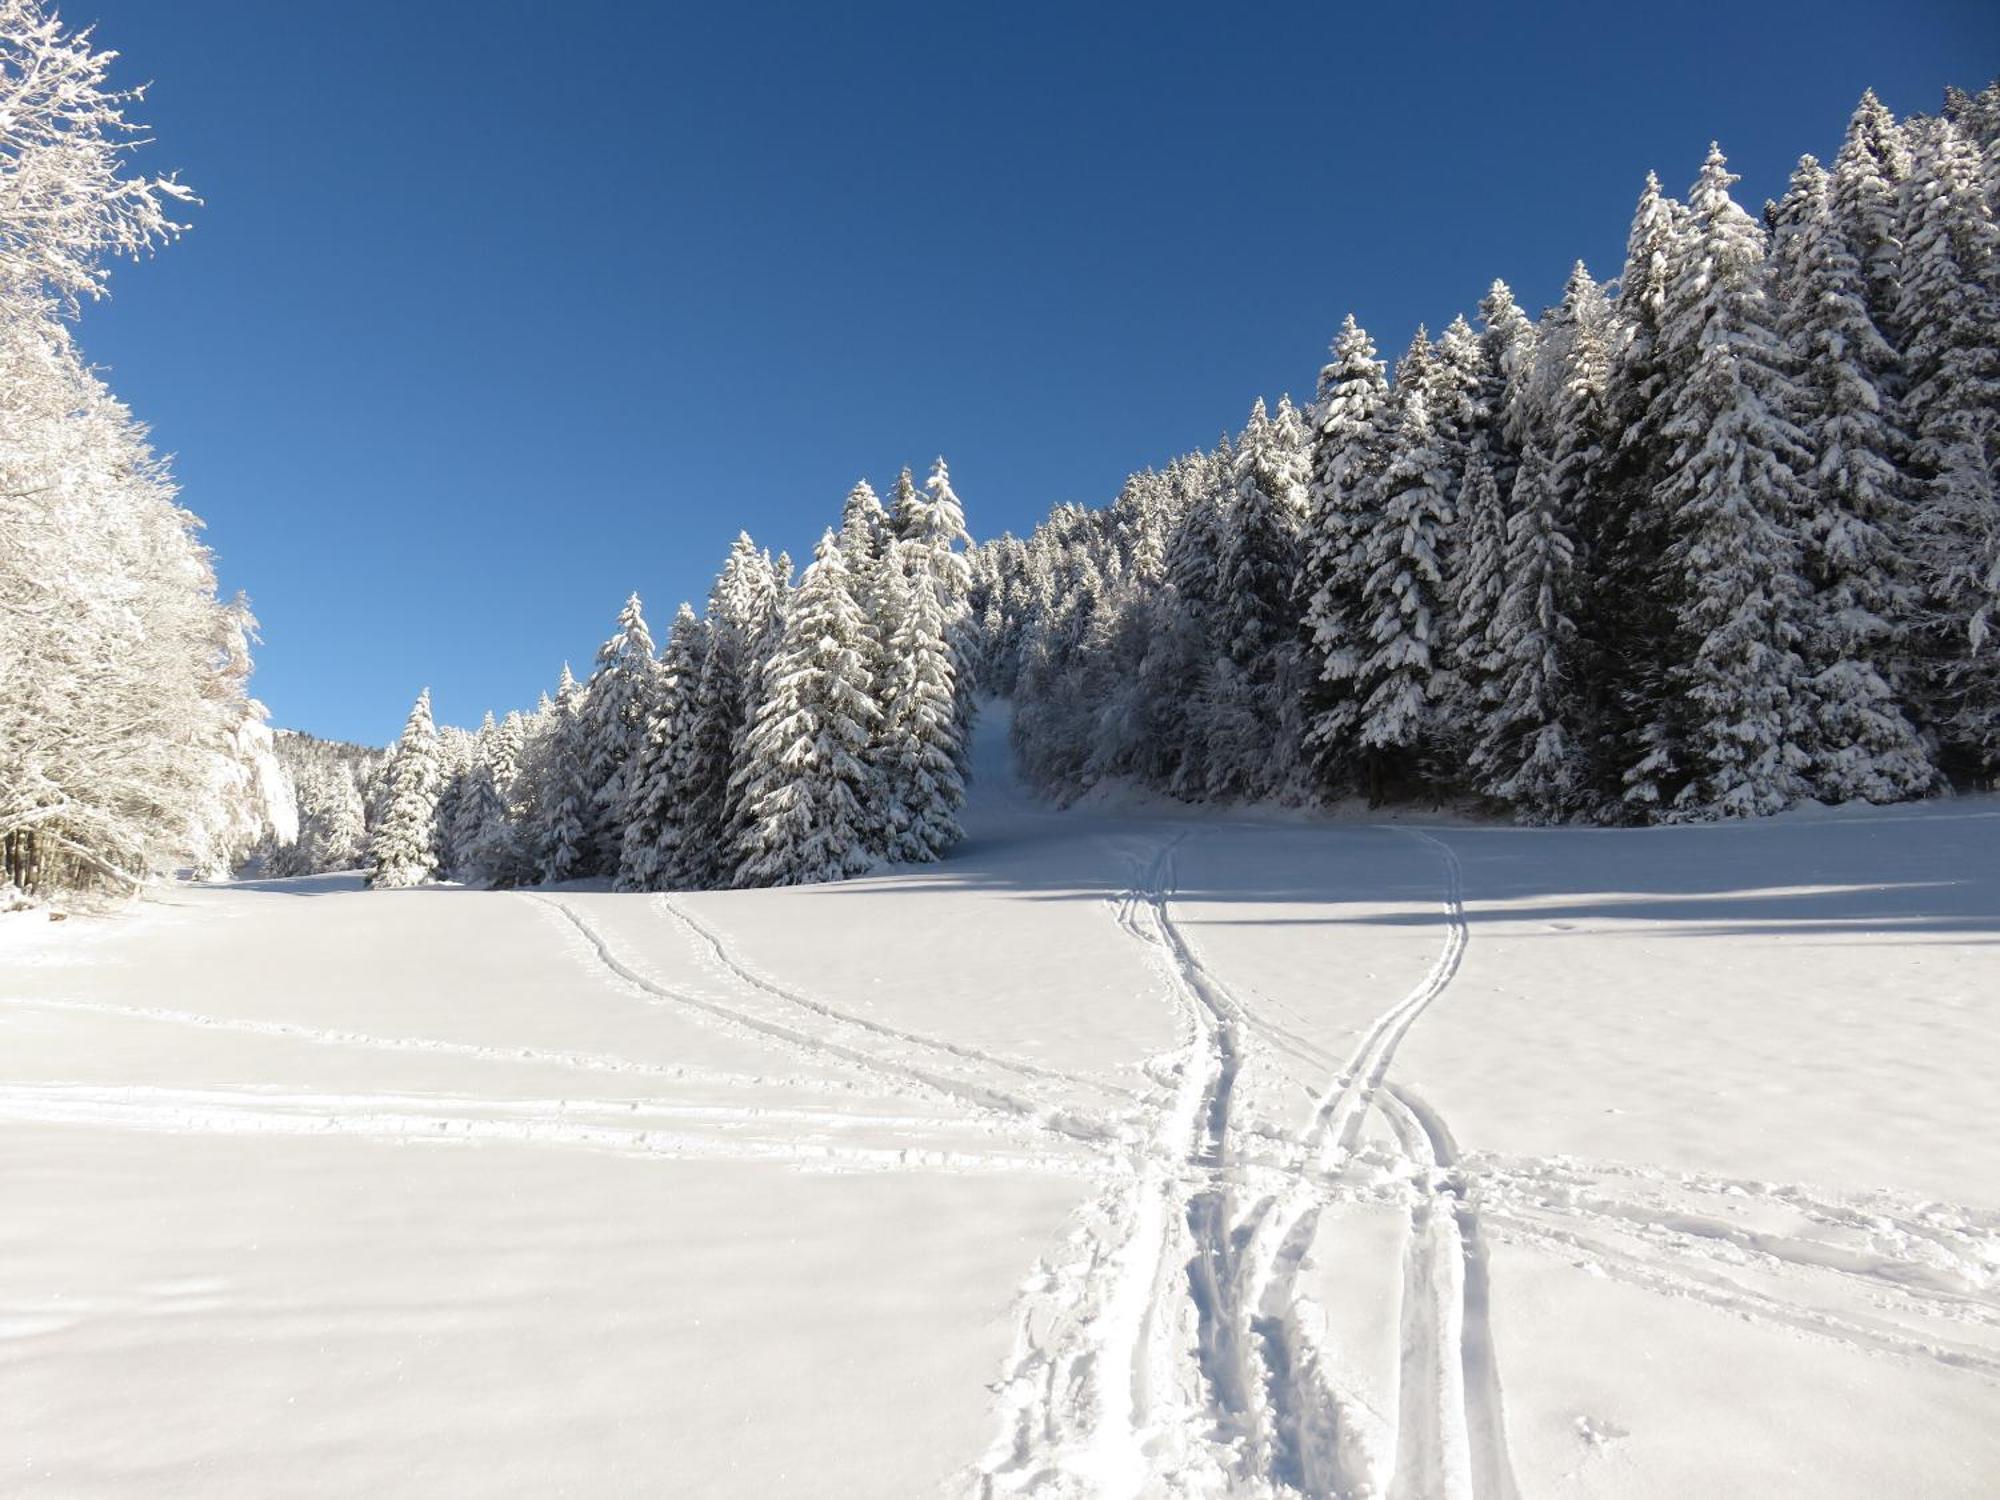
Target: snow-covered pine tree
<point>1252,687</point>
<point>1524,753</point>
<point>1863,196</point>
<point>565,807</point>
<point>940,531</point>
<point>917,779</point>
<point>472,800</point>
<point>614,709</point>
<point>1398,681</point>
<point>1573,379</point>
<point>1950,315</point>
<point>1170,750</point>
<point>494,853</point>
<point>763,593</point>
<point>1857,523</point>
<point>805,778</point>
<point>403,851</point>
<point>1348,450</point>
<point>1462,386</point>
<point>1726,738</point>
<point>1509,338</point>
<point>656,776</point>
<point>1478,579</point>
<point>905,507</point>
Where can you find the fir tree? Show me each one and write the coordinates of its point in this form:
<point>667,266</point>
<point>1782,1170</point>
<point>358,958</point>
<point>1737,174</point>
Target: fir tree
<point>1399,678</point>
<point>613,715</point>
<point>1857,523</point>
<point>1347,454</point>
<point>806,783</point>
<point>1254,679</point>
<point>1525,753</point>
<point>1950,312</point>
<point>656,783</point>
<point>566,796</point>
<point>917,778</point>
<point>1726,739</point>
<point>403,851</point>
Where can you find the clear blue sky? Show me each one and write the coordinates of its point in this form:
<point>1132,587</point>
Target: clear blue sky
<point>496,312</point>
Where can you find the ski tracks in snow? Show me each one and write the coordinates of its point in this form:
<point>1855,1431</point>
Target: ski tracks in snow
<point>1209,1232</point>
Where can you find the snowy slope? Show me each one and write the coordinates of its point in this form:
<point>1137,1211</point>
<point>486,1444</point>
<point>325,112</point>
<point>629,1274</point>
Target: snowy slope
<point>1125,1153</point>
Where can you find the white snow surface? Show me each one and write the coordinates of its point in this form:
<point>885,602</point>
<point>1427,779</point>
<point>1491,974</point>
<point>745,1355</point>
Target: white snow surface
<point>1130,1151</point>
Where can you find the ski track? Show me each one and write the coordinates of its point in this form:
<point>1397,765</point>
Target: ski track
<point>733,965</point>
<point>585,1124</point>
<point>1276,1414</point>
<point>1005,1111</point>
<point>593,1062</point>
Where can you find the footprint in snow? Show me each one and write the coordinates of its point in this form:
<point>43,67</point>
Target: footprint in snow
<point>1598,1434</point>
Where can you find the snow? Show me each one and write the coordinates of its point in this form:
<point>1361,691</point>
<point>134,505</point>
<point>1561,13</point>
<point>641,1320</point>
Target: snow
<point>1128,1151</point>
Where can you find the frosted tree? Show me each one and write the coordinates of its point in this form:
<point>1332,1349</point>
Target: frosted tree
<point>1460,392</point>
<point>1524,753</point>
<point>864,527</point>
<point>939,533</point>
<point>613,715</point>
<point>1863,197</point>
<point>472,799</point>
<point>565,794</point>
<point>1726,738</point>
<point>1857,521</point>
<point>1509,338</point>
<point>917,778</point>
<point>70,203</point>
<point>332,829</point>
<point>1348,447</point>
<point>403,851</point>
<point>1478,580</point>
<point>656,784</point>
<point>1950,314</point>
<point>806,782</point>
<point>1253,684</point>
<point>1398,681</point>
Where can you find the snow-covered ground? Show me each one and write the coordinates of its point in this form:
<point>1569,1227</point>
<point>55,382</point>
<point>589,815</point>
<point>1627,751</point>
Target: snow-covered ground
<point>1126,1153</point>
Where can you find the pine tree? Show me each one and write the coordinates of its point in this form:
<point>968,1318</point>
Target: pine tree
<point>1347,455</point>
<point>493,853</point>
<point>1253,682</point>
<point>612,718</point>
<point>918,779</point>
<point>1874,159</point>
<point>403,851</point>
<point>1525,753</point>
<point>1398,680</point>
<point>736,612</point>
<point>1726,740</point>
<point>656,776</point>
<point>1950,313</point>
<point>566,795</point>
<point>806,783</point>
<point>1478,582</point>
<point>1857,522</point>
<point>1509,338</point>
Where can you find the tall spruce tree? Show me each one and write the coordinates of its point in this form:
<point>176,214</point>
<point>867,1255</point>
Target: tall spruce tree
<point>806,781</point>
<point>1399,679</point>
<point>655,782</point>
<point>1727,738</point>
<point>1950,314</point>
<point>403,849</point>
<point>1857,523</point>
<point>1349,447</point>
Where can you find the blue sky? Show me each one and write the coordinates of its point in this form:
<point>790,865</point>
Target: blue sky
<point>496,312</point>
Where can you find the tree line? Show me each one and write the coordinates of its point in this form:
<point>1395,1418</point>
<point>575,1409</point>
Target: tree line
<point>794,732</point>
<point>1710,540</point>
